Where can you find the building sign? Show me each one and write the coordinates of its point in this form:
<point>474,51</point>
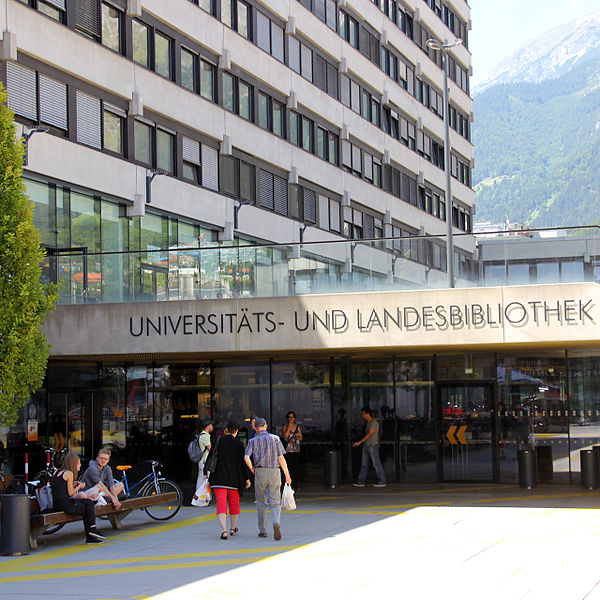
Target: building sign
<point>409,319</point>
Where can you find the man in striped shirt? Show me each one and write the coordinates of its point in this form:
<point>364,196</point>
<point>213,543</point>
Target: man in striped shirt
<point>267,453</point>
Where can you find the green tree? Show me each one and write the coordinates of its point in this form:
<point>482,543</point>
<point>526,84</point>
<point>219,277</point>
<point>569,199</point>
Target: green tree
<point>25,300</point>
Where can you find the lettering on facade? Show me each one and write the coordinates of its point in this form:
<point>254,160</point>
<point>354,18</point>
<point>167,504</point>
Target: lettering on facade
<point>440,317</point>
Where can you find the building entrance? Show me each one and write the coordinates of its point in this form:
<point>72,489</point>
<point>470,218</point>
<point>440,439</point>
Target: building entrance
<point>467,439</point>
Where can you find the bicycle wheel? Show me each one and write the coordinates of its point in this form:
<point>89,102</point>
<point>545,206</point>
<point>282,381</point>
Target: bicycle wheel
<point>54,529</point>
<point>165,510</point>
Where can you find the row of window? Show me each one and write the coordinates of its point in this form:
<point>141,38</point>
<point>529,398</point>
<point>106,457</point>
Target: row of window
<point>104,127</point>
<point>454,23</point>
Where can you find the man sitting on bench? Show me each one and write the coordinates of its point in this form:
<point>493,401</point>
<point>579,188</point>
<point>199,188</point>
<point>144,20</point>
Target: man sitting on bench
<point>99,475</point>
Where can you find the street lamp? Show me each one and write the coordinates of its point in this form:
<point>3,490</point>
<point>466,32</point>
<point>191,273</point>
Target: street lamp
<point>150,175</point>
<point>443,48</point>
<point>27,136</point>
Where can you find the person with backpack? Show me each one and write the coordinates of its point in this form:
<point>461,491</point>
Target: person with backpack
<point>199,448</point>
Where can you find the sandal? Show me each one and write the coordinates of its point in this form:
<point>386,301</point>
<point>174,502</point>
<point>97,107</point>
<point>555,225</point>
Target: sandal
<point>233,531</point>
<point>224,535</point>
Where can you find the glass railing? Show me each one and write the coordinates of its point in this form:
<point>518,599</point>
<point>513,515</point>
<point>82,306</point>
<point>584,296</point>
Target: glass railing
<point>231,270</point>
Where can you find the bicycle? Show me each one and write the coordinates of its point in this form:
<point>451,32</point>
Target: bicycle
<point>52,457</point>
<point>150,485</point>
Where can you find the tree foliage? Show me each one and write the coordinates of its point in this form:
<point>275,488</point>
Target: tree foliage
<point>537,150</point>
<point>25,300</point>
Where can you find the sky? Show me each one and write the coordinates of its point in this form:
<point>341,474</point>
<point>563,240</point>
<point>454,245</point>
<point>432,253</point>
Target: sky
<point>501,26</point>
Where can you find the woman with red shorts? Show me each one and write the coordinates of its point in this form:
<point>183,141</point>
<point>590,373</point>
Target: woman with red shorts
<point>229,478</point>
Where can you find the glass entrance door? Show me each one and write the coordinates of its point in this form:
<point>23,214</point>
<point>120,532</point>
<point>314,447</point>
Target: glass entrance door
<point>466,433</point>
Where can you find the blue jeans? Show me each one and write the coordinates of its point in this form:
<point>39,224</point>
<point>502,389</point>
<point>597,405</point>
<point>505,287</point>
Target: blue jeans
<point>371,452</point>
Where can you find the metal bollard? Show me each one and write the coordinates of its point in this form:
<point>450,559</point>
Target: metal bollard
<point>527,469</point>
<point>589,469</point>
<point>14,539</point>
<point>331,474</point>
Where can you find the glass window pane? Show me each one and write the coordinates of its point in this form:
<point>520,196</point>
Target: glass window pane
<point>111,27</point>
<point>263,111</point>
<point>188,70</point>
<point>164,150</point>
<point>207,80</point>
<point>228,92</point>
<point>113,132</point>
<point>50,11</point>
<point>294,128</point>
<point>226,12</point>
<point>162,51</point>
<point>278,114</point>
<point>333,149</point>
<point>243,25</point>
<point>143,142</point>
<point>321,143</point>
<point>140,43</point>
<point>245,101</point>
<point>43,197</point>
<point>307,142</point>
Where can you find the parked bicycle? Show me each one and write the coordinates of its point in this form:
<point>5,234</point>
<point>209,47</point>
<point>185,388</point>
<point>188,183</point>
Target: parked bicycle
<point>153,483</point>
<point>54,460</point>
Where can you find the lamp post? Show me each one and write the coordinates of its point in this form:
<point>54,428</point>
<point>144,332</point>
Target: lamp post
<point>443,48</point>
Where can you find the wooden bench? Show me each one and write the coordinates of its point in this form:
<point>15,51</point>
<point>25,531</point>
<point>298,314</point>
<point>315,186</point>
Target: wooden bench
<point>41,522</point>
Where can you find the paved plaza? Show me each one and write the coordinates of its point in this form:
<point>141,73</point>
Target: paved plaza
<point>402,541</point>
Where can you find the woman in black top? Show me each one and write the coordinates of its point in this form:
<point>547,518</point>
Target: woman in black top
<point>229,478</point>
<point>64,485</point>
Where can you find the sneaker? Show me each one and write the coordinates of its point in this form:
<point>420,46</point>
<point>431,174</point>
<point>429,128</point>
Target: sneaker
<point>276,531</point>
<point>96,534</point>
<point>379,484</point>
<point>358,484</point>
<point>93,540</point>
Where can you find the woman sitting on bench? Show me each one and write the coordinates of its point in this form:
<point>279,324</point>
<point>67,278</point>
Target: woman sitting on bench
<point>64,487</point>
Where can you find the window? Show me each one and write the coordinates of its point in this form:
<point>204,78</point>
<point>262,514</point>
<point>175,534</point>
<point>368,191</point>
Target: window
<point>141,43</point>
<point>112,20</point>
<point>238,179</point>
<point>191,160</point>
<point>165,147</point>
<point>142,136</point>
<point>55,9</point>
<point>327,145</point>
<point>113,121</point>
<point>300,58</point>
<point>189,61</point>
<point>270,114</point>
<point>87,18</point>
<point>207,80</point>
<point>353,223</point>
<point>162,55</point>
<point>236,15</point>
<point>237,96</point>
<point>301,131</point>
<point>269,36</point>
<point>36,96</point>
<point>348,28</point>
<point>200,163</point>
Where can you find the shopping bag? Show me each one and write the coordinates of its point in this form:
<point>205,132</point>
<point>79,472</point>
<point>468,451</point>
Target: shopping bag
<point>202,496</point>
<point>44,498</point>
<point>287,498</point>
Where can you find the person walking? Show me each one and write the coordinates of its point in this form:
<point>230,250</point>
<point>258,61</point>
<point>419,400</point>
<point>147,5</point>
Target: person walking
<point>292,436</point>
<point>370,450</point>
<point>267,454</point>
<point>204,442</point>
<point>229,478</point>
<point>64,485</point>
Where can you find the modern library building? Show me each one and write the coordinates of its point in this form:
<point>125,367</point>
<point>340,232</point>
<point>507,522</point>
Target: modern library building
<point>247,207</point>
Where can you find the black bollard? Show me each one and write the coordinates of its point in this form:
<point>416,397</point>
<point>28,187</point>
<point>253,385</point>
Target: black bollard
<point>589,469</point>
<point>527,469</point>
<point>332,469</point>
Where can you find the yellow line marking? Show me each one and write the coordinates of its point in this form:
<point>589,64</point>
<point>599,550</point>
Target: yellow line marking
<point>161,557</point>
<point>121,571</point>
<point>13,565</point>
<point>166,527</point>
<point>534,497</point>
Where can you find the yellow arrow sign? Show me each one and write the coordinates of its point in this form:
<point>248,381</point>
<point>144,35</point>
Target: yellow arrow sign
<point>450,434</point>
<point>460,434</point>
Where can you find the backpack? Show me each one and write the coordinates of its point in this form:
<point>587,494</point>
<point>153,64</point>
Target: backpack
<point>194,451</point>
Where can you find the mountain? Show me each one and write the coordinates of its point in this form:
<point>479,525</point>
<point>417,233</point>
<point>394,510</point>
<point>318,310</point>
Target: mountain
<point>550,54</point>
<point>537,131</point>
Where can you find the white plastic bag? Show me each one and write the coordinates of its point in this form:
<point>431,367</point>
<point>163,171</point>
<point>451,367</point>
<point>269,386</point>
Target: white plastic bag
<point>287,498</point>
<point>202,496</point>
